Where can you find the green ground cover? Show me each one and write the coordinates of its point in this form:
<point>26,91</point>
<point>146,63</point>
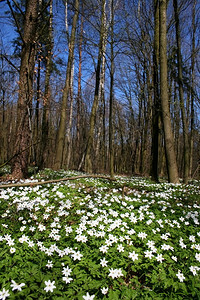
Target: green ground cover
<point>100,239</point>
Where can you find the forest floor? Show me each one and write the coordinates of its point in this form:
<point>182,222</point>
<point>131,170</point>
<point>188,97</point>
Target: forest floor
<point>95,238</point>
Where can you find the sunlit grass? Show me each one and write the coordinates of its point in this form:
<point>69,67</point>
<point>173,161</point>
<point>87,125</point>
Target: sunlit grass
<point>96,239</point>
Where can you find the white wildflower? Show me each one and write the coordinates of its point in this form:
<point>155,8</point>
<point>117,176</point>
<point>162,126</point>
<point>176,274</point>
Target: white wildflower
<point>50,286</point>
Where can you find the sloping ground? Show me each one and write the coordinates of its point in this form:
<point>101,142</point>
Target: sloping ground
<point>99,239</point>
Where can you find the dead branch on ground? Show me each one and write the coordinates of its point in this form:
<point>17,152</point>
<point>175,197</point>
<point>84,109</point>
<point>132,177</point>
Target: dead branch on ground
<point>32,184</point>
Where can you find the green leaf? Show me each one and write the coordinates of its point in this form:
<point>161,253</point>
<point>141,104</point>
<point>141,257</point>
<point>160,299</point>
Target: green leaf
<point>113,295</point>
<point>128,294</point>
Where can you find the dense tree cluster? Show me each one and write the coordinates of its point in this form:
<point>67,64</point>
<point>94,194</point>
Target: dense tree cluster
<point>103,86</point>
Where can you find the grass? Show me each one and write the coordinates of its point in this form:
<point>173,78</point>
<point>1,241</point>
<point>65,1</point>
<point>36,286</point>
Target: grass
<point>96,239</point>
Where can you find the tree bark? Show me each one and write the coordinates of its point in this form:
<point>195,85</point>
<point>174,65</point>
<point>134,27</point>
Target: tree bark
<point>20,161</point>
<point>88,160</point>
<point>79,96</point>
<point>181,97</point>
<point>168,135</point>
<point>147,111</point>
<point>69,125</point>
<point>111,152</point>
<point>191,141</point>
<point>100,140</point>
<point>62,125</point>
<point>46,100</point>
<point>156,104</point>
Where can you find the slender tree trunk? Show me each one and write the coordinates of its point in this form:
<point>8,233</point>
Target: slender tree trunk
<point>191,142</point>
<point>79,96</point>
<point>3,132</point>
<point>181,96</point>
<point>104,150</point>
<point>88,160</point>
<point>121,163</point>
<point>168,135</point>
<point>22,142</point>
<point>136,155</point>
<point>46,100</point>
<point>177,124</point>
<point>37,115</point>
<point>111,92</point>
<point>69,125</point>
<point>100,156</point>
<point>62,125</point>
<point>146,120</point>
<point>37,99</point>
<point>71,101</point>
<point>156,105</point>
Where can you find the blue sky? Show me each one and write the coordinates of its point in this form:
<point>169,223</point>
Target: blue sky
<point>7,32</point>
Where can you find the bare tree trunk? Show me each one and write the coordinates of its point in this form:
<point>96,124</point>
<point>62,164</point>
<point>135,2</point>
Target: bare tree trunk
<point>101,156</point>
<point>156,105</point>
<point>46,101</point>
<point>180,82</point>
<point>146,121</point>
<point>168,135</point>
<point>177,124</point>
<point>88,160</point>
<point>37,115</point>
<point>121,163</point>
<point>62,125</point>
<point>79,96</point>
<point>22,143</point>
<point>3,127</point>
<point>111,92</point>
<point>71,101</point>
<point>69,125</point>
<point>191,142</point>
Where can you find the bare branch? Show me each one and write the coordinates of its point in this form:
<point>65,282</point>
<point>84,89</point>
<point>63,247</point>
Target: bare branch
<point>16,22</point>
<point>10,63</point>
<point>17,5</point>
<point>31,184</point>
